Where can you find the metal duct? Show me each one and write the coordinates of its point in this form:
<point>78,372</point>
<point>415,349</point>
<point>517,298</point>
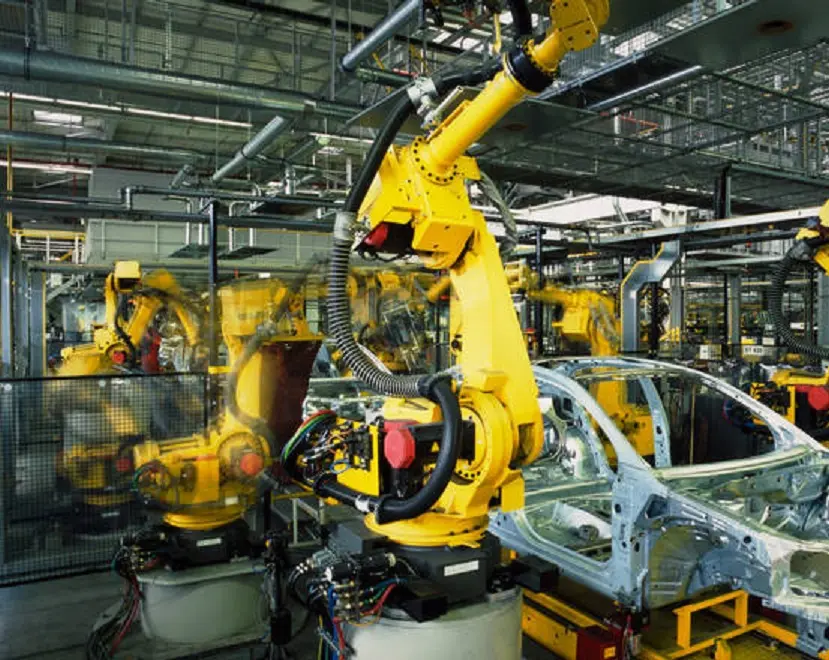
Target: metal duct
<point>382,32</point>
<point>643,272</point>
<point>253,148</point>
<point>91,145</point>
<point>182,175</point>
<point>44,65</point>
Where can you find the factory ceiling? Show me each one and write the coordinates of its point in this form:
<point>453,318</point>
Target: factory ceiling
<point>674,94</point>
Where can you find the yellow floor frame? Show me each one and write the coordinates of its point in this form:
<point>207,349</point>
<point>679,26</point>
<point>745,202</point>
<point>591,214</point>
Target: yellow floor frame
<point>732,633</point>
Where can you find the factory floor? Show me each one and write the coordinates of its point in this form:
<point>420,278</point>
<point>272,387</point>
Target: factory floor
<point>50,620</point>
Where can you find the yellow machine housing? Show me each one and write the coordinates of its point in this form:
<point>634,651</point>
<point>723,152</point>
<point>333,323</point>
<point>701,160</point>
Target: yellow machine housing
<point>421,189</point>
<point>790,382</point>
<point>110,346</point>
<point>207,481</point>
<point>101,472</point>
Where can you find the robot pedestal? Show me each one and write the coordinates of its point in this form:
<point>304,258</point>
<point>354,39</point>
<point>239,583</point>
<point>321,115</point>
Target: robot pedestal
<point>203,605</point>
<point>484,631</point>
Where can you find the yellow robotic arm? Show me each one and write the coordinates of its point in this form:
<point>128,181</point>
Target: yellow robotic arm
<point>116,345</point>
<point>418,202</point>
<point>206,482</point>
<point>802,397</point>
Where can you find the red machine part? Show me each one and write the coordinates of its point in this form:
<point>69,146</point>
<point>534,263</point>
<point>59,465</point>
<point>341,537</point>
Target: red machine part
<point>817,395</point>
<point>377,236</point>
<point>399,443</point>
<point>251,464</point>
<point>119,357</point>
<point>596,643</point>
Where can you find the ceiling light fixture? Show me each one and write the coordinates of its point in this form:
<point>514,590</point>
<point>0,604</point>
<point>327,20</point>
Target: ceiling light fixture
<point>61,168</point>
<point>126,109</point>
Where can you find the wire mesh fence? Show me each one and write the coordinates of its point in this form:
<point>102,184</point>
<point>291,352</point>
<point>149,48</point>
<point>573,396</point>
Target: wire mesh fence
<point>66,464</point>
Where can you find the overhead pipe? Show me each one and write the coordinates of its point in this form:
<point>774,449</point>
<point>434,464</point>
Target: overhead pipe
<point>182,175</point>
<point>386,29</point>
<point>652,86</point>
<point>117,212</point>
<point>649,271</point>
<point>129,193</point>
<point>41,65</point>
<point>256,145</point>
<point>93,145</point>
<point>370,74</point>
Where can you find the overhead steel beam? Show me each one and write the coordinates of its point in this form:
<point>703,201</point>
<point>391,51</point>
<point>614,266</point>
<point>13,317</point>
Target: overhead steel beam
<point>50,66</point>
<point>227,267</point>
<point>41,141</point>
<point>115,212</point>
<point>324,21</point>
<point>776,219</point>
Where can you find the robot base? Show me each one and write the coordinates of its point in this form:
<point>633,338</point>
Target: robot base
<point>203,604</point>
<point>485,631</point>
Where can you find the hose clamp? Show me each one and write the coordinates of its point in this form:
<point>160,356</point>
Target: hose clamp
<point>344,226</point>
<point>420,89</point>
<point>362,504</point>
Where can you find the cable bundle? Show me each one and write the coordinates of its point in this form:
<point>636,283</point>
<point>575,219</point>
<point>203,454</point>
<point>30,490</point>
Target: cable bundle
<point>291,449</point>
<point>105,639</point>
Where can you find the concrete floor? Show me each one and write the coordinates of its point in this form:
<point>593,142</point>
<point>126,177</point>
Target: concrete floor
<point>51,620</point>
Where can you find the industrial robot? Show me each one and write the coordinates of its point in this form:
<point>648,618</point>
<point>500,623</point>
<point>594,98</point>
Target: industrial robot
<point>449,447</point>
<point>800,396</point>
<point>205,484</point>
<point>194,572</point>
<point>95,463</point>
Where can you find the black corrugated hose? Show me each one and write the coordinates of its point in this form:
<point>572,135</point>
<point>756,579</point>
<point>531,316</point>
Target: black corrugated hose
<point>801,252</point>
<point>437,388</point>
<point>522,22</point>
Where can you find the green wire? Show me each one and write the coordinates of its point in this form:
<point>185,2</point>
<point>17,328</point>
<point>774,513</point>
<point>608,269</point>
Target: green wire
<point>303,430</point>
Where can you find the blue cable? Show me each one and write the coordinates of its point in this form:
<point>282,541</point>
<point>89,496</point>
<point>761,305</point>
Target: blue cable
<point>331,614</point>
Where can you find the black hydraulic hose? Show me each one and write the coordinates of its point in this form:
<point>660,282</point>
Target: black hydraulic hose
<point>388,509</point>
<point>391,509</point>
<point>522,21</point>
<point>799,253</point>
<point>339,307</point>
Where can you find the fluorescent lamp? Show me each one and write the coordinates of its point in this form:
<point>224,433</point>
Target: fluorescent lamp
<point>68,168</point>
<point>59,118</point>
<point>126,109</point>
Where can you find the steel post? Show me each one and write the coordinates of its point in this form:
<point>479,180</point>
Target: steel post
<point>6,309</point>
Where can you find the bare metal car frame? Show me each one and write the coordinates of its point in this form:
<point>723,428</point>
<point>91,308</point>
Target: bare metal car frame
<point>649,535</point>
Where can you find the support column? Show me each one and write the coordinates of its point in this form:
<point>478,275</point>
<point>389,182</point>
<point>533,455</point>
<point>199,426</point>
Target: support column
<point>37,324</point>
<point>734,339</point>
<point>809,307</point>
<point>6,297</point>
<point>722,194</point>
<point>539,306</point>
<point>21,316</point>
<point>677,318</point>
<point>213,301</point>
